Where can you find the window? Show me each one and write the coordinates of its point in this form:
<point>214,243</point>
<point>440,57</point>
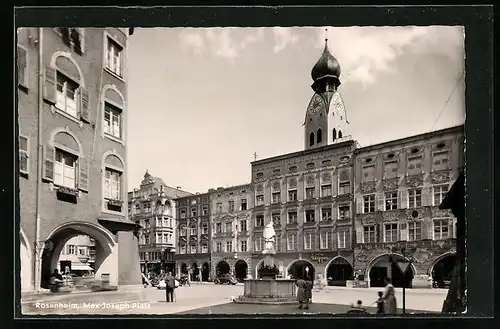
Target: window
<point>369,203</point>
<point>229,227</point>
<point>82,251</point>
<point>73,36</point>
<point>65,169</point>
<point>290,241</point>
<point>439,192</point>
<point>440,160</point>
<point>165,238</point>
<point>158,237</point>
<point>414,198</point>
<point>193,230</point>
<point>276,197</point>
<point>344,211</point>
<point>243,245</point>
<point>391,169</point>
<point>344,188</point>
<point>292,195</point>
<point>292,169</point>
<point>276,219</point>
<point>324,239</point>
<point>369,173</point>
<point>112,184</point>
<point>326,213</point>
<point>204,210</point>
<point>311,139</point>
<point>22,66</point>
<point>218,228</point>
<point>219,207</point>
<point>146,239</point>
<point>231,205</point>
<point>112,120</point>
<point>292,217</point>
<point>310,193</point>
<point>183,249</point>
<point>414,231</point>
<point>343,237</point>
<point>183,231</point>
<point>218,246</point>
<point>259,199</point>
<point>259,220</point>
<point>183,213</point>
<point>194,212</point>
<point>391,232</point>
<point>158,222</point>
<point>319,136</point>
<point>258,243</point>
<point>23,155</point>
<point>66,95</point>
<point>334,133</point>
<point>193,249</point>
<point>307,241</point>
<point>369,234</point>
<point>326,190</point>
<point>310,214</point>
<point>71,249</point>
<point>243,225</point>
<point>229,246</point>
<point>114,57</point>
<point>414,165</point>
<point>391,200</point>
<point>204,228</point>
<point>441,229</point>
<point>243,204</point>
<point>204,248</point>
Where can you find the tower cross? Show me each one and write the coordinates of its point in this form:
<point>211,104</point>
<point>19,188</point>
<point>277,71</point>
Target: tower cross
<point>326,35</point>
<point>254,156</point>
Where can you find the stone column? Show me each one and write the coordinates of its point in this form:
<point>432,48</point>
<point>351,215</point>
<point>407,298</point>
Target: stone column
<point>129,272</point>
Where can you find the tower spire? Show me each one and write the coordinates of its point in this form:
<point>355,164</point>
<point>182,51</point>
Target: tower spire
<point>326,37</point>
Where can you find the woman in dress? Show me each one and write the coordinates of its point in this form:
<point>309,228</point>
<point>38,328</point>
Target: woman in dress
<point>390,304</point>
<point>302,293</point>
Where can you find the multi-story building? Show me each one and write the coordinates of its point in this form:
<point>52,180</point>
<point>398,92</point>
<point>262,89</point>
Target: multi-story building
<point>308,194</point>
<point>193,238</point>
<point>72,136</point>
<point>78,256</point>
<point>152,206</point>
<point>231,230</point>
<point>399,186</point>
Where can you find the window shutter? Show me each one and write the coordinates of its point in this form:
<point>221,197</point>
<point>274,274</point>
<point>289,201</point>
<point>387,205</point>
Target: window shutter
<point>334,241</point>
<point>49,153</point>
<point>380,201</point>
<point>359,234</point>
<point>83,179</point>
<point>426,230</point>
<point>429,191</point>
<point>22,67</point>
<point>49,88</point>
<point>452,228</point>
<point>403,199</point>
<point>359,205</point>
<point>381,232</point>
<point>403,233</point>
<point>23,154</point>
<point>84,105</point>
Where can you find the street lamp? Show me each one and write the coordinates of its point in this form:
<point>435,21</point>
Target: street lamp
<point>307,272</point>
<point>403,266</point>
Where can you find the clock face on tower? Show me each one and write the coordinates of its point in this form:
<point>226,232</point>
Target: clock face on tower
<point>316,104</point>
<point>338,104</point>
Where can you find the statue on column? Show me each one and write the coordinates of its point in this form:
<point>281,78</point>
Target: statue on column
<point>269,237</point>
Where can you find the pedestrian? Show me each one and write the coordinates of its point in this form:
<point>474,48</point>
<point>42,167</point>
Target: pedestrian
<point>380,303</point>
<point>390,303</point>
<point>309,287</point>
<point>302,294</point>
<point>169,287</point>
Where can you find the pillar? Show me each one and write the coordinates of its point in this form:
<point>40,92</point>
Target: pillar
<point>128,266</point>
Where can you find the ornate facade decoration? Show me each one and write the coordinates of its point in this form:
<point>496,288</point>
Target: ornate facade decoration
<point>276,186</point>
<point>414,180</point>
<point>259,188</point>
<point>392,215</point>
<point>326,177</point>
<point>344,175</point>
<point>369,218</point>
<point>391,183</point>
<point>292,183</point>
<point>310,180</point>
<point>414,213</point>
<point>436,213</point>
<point>440,177</point>
<point>368,187</point>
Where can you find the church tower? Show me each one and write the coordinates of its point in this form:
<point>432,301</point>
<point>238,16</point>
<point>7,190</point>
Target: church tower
<point>325,120</point>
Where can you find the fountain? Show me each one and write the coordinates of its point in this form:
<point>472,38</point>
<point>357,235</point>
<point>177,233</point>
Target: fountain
<point>268,289</point>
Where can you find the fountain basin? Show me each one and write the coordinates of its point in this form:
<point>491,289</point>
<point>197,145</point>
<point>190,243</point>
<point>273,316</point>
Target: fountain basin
<point>268,291</point>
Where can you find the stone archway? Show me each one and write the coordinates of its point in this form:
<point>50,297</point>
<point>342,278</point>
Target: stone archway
<point>240,270</point>
<point>205,272</point>
<point>222,267</point>
<point>106,250</point>
<point>300,268</point>
<point>338,271</point>
<point>442,268</point>
<point>26,274</point>
<point>381,267</point>
<point>184,268</point>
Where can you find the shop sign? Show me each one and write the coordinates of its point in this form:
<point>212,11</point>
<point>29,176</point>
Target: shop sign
<point>319,258</point>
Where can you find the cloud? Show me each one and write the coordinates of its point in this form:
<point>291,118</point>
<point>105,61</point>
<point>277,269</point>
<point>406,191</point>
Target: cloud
<point>194,41</point>
<point>283,36</point>
<point>364,51</point>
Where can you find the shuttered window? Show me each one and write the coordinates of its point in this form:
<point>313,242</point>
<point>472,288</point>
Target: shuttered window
<point>24,155</point>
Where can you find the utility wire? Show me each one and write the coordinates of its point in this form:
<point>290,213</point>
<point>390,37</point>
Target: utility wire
<point>459,79</point>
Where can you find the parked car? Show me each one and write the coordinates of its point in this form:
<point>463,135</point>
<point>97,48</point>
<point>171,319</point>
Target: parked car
<point>225,279</point>
<point>163,285</point>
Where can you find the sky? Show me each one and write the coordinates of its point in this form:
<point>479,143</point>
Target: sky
<point>201,101</point>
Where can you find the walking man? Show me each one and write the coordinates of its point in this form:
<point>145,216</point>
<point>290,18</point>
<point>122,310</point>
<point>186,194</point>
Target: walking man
<point>169,287</point>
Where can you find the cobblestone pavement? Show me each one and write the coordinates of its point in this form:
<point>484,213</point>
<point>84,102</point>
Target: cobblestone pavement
<point>201,296</point>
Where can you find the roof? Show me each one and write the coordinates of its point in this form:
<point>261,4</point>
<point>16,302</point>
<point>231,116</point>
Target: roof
<point>169,191</point>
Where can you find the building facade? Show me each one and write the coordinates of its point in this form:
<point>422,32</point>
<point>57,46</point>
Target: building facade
<point>193,238</point>
<point>72,89</point>
<point>399,186</point>
<point>153,207</point>
<point>231,231</point>
<point>78,256</point>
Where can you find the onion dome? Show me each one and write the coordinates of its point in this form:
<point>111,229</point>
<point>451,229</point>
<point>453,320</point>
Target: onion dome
<point>327,65</point>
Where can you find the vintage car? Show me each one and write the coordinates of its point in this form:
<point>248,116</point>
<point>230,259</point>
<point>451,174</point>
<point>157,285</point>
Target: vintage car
<point>225,279</point>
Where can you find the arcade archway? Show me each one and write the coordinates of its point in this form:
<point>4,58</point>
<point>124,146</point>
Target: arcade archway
<point>299,269</point>
<point>194,272</point>
<point>205,271</point>
<point>240,270</point>
<point>105,253</point>
<point>184,268</point>
<point>338,271</point>
<point>386,266</point>
<point>222,268</point>
<point>441,270</point>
